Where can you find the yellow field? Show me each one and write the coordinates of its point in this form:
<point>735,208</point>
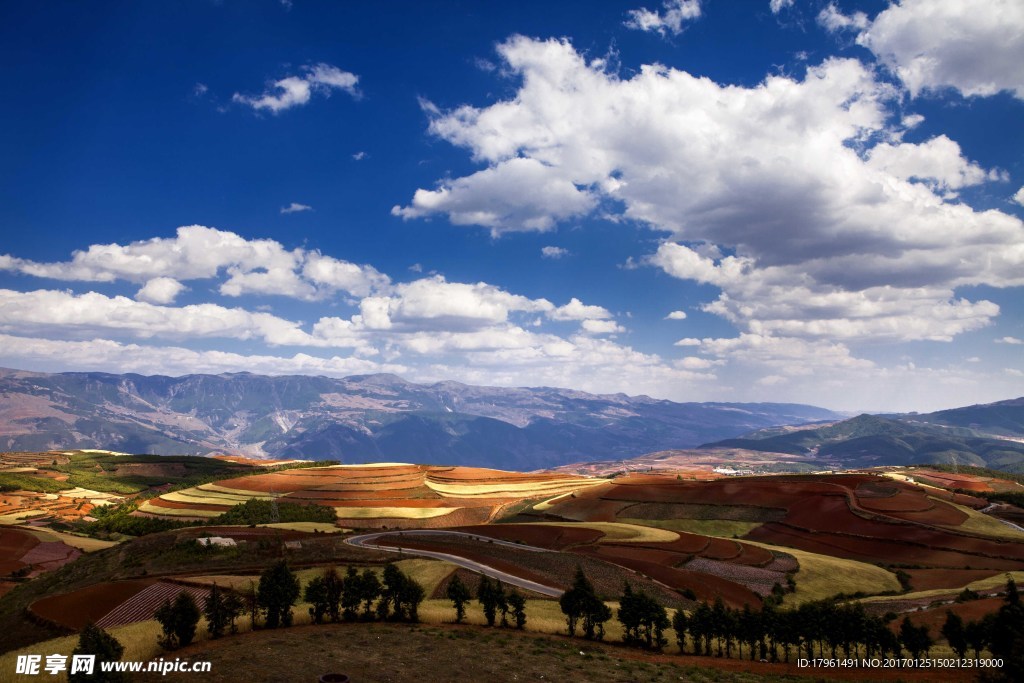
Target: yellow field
<point>83,543</point>
<point>17,517</point>
<point>212,497</point>
<point>549,503</point>
<point>723,528</point>
<point>619,532</point>
<point>536,487</point>
<point>392,512</point>
<point>151,509</point>
<point>984,525</point>
<point>822,576</point>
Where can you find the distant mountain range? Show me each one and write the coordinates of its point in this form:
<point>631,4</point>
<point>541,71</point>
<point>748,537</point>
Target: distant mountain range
<point>990,435</point>
<point>361,419</point>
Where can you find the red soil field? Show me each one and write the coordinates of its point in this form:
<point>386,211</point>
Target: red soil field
<point>967,482</point>
<point>77,608</point>
<point>551,537</point>
<point>13,546</point>
<point>499,564</point>
<point>929,579</point>
<point>893,550</point>
<point>902,501</point>
<point>705,586</point>
<point>142,605</point>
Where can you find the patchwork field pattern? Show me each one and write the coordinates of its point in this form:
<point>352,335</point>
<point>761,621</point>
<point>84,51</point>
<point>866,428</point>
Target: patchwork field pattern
<point>380,495</point>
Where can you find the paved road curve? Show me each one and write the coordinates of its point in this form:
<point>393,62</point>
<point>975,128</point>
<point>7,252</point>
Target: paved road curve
<point>367,541</point>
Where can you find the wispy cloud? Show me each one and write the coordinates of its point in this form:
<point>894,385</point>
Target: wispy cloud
<point>295,91</point>
<point>671,20</point>
<point>553,252</point>
<point>295,207</point>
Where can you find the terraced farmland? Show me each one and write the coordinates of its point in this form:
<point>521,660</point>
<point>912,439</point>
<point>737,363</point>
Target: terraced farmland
<point>380,495</point>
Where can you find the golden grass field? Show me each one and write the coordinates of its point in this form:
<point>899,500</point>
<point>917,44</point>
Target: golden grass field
<point>983,525</point>
<point>151,509</point>
<point>533,489</point>
<point>822,576</point>
<point>83,543</point>
<point>721,528</point>
<point>619,532</point>
<point>392,512</point>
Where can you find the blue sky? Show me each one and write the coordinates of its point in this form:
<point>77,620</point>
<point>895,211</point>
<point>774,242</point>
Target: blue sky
<point>803,201</point>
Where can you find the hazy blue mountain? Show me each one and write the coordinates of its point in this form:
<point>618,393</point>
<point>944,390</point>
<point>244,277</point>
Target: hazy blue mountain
<point>965,436</point>
<point>361,418</point>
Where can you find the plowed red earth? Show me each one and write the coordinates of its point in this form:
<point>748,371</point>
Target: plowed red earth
<point>76,609</point>
<point>551,537</point>
<point>705,586</point>
<point>929,579</point>
<point>13,546</point>
<point>894,550</point>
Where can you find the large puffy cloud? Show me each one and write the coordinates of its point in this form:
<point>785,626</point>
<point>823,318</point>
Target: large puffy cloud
<point>295,91</point>
<point>796,197</point>
<point>257,266</point>
<point>973,46</point>
<point>437,303</point>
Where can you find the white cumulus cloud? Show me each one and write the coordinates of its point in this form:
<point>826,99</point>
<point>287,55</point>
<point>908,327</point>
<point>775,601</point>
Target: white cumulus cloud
<point>780,194</point>
<point>160,290</point>
<point>973,46</point>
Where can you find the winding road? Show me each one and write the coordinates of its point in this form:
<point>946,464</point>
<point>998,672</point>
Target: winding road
<point>367,541</point>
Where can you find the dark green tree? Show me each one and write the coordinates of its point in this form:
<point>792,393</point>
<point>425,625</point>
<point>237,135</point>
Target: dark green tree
<point>517,603</point>
<point>1006,634</point>
<point>351,594</point>
<point>316,596</point>
<point>333,585</point>
<point>278,590</point>
<point>501,602</point>
<point>977,635</point>
<point>459,595</point>
<point>953,632</point>
<point>178,621</point>
<point>487,596</point>
<point>234,605</point>
<point>680,624</point>
<point>580,602</point>
<point>215,611</point>
<point>93,640</point>
<point>369,591</point>
<point>915,639</point>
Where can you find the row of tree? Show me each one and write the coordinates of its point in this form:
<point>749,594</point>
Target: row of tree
<point>492,597</point>
<point>270,604</point>
<point>821,628</point>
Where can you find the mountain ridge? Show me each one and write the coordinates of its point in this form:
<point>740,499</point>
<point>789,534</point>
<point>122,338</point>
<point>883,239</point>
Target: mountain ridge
<point>360,418</point>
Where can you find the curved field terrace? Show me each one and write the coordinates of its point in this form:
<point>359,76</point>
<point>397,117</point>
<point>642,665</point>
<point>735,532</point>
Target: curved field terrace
<point>381,495</point>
